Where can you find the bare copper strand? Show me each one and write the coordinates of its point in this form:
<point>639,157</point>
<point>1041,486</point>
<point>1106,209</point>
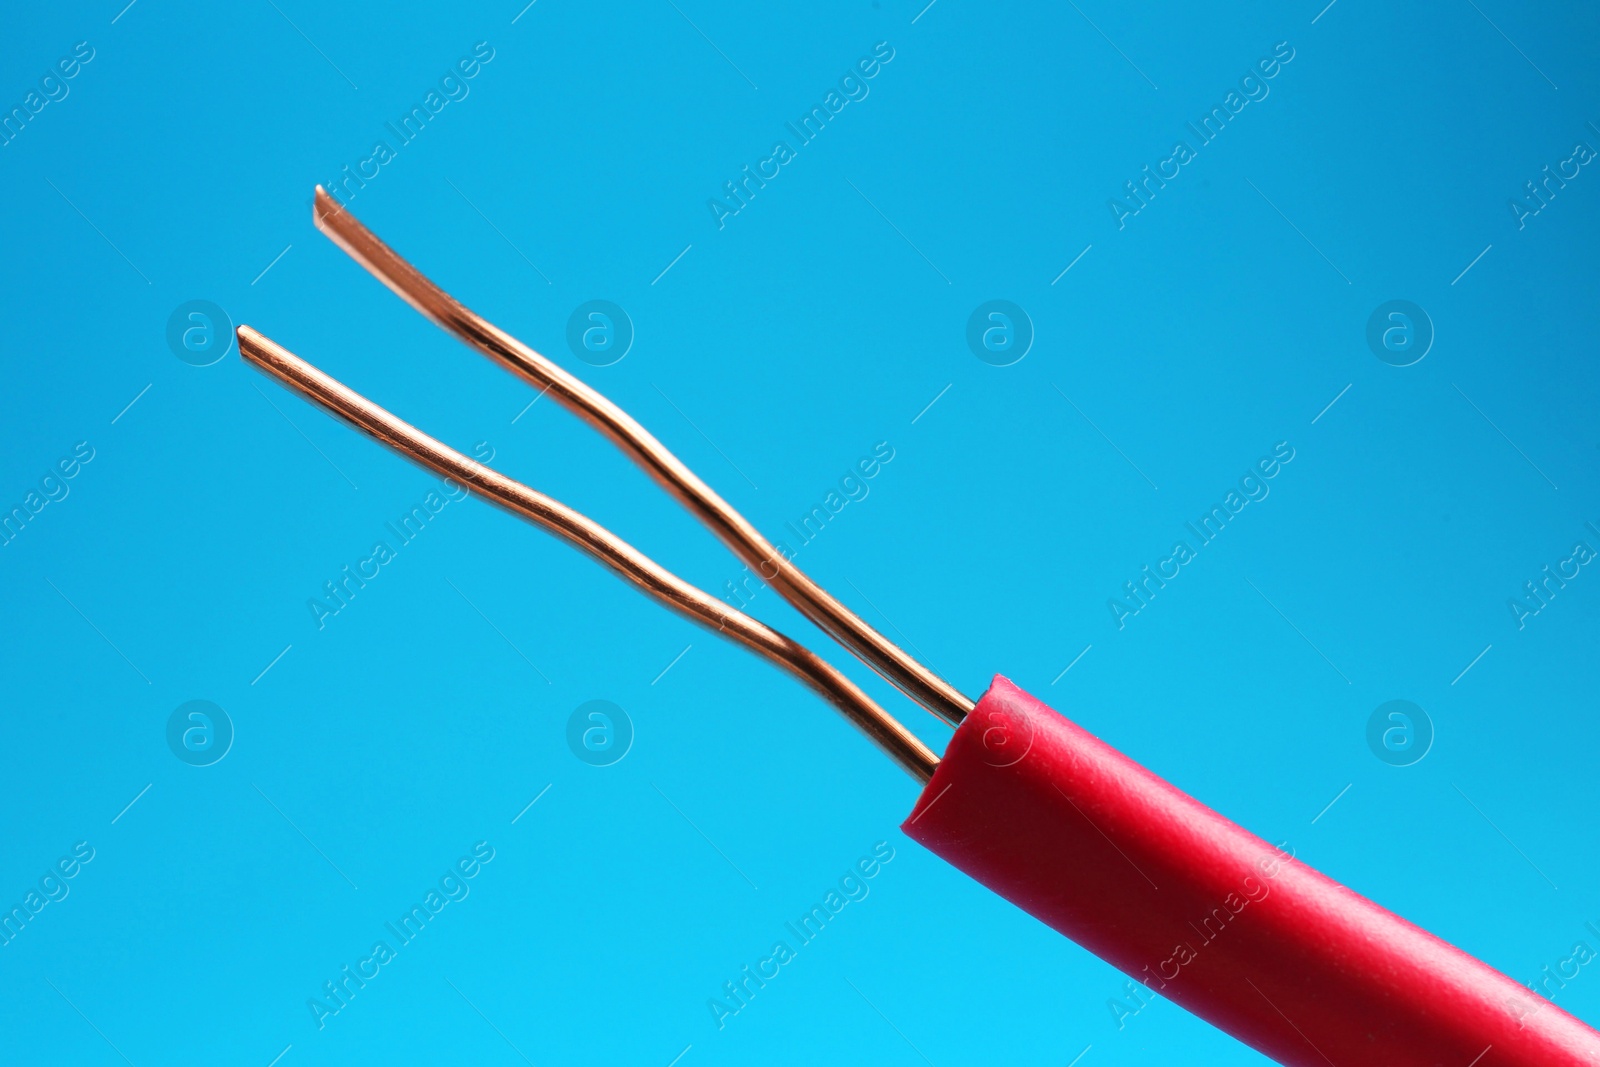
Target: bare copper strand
<point>338,399</point>
<point>838,621</point>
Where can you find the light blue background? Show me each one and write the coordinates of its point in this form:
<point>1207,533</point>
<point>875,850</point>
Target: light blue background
<point>795,338</point>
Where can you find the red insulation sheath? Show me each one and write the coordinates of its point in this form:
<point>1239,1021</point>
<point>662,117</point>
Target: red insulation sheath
<point>1211,916</point>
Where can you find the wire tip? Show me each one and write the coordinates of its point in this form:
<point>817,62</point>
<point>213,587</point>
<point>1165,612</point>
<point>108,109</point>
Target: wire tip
<point>251,343</point>
<point>323,206</point>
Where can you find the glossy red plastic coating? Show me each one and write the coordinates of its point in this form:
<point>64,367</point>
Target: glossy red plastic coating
<point>1211,916</point>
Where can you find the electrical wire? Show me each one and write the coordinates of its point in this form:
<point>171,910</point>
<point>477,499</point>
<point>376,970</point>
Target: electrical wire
<point>338,399</point>
<point>811,600</point>
<point>1028,804</point>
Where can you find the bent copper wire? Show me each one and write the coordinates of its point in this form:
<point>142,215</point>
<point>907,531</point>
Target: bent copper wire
<point>746,542</point>
<point>338,399</point>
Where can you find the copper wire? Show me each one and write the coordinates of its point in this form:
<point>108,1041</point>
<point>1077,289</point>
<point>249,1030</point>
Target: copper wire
<point>338,399</point>
<point>838,621</point>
